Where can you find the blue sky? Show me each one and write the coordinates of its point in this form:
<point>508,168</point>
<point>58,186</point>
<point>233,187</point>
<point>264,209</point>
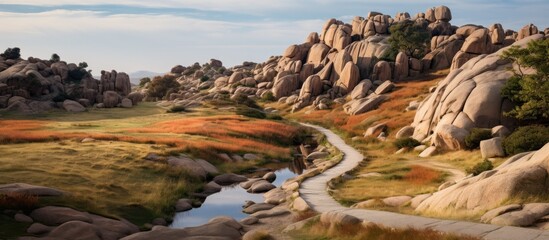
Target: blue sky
<point>155,35</point>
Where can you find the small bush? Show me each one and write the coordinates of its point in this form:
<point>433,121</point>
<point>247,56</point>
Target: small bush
<point>480,167</point>
<point>251,112</point>
<point>18,201</point>
<point>274,117</point>
<point>144,81</point>
<point>11,53</point>
<point>472,141</point>
<point>268,97</point>
<point>406,143</point>
<point>204,78</point>
<point>527,138</point>
<point>176,109</point>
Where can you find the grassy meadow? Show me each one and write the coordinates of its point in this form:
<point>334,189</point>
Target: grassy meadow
<point>110,176</point>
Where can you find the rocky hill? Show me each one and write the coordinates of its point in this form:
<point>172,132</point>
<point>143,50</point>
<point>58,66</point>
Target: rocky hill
<point>344,63</point>
<point>36,85</point>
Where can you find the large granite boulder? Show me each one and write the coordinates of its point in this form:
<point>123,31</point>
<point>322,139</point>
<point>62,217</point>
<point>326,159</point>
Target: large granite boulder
<point>521,176</point>
<point>469,96</point>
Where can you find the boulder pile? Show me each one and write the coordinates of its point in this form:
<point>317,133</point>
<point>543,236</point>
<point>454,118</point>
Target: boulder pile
<point>343,63</point>
<point>468,98</point>
<point>36,85</point>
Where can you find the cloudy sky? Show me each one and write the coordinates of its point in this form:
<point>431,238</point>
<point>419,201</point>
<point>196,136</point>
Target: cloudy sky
<point>132,35</point>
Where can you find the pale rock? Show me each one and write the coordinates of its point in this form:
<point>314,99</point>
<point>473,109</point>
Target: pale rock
<point>338,219</point>
<point>414,202</point>
<point>527,216</point>
<point>492,148</point>
<point>382,71</point>
<point>249,221</point>
<point>401,66</point>
<point>500,131</point>
<point>385,87</point>
<point>488,216</point>
<point>257,207</point>
<point>428,152</point>
<point>73,106</point>
<point>361,90</point>
<point>405,132</point>
<point>300,205</point>
<point>521,175</point>
<point>450,137</point>
<point>396,201</point>
<point>376,129</point>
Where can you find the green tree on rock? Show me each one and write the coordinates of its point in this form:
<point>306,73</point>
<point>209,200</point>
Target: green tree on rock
<point>528,88</point>
<point>408,37</point>
<point>11,53</point>
<point>160,86</point>
<point>55,58</point>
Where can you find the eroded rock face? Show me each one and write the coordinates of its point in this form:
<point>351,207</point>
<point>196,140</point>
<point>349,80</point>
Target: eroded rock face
<point>524,174</point>
<point>468,97</point>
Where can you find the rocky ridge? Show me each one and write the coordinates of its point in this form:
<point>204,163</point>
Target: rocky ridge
<point>343,63</point>
<point>36,85</point>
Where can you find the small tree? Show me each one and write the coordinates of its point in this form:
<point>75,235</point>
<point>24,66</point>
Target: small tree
<point>144,81</point>
<point>11,53</point>
<point>529,91</point>
<point>83,65</point>
<point>55,58</point>
<point>160,86</point>
<point>408,37</point>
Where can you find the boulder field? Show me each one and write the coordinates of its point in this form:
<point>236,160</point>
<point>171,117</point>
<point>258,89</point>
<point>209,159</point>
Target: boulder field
<point>36,85</point>
<point>344,63</point>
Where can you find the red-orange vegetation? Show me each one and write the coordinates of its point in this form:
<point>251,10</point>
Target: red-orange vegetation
<point>220,125</point>
<point>224,133</point>
<point>421,175</point>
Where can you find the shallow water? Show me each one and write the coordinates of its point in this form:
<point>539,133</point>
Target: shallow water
<point>228,202</point>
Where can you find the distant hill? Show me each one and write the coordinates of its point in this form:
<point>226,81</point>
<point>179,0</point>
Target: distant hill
<point>136,76</point>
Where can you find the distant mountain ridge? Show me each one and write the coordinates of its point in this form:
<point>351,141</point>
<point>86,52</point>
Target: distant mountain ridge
<point>138,75</point>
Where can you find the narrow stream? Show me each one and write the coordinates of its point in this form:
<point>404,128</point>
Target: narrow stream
<point>227,202</point>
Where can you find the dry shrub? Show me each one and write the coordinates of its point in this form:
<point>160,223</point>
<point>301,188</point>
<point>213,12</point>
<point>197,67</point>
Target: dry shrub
<point>372,232</point>
<point>18,201</point>
<point>300,216</point>
<point>422,175</point>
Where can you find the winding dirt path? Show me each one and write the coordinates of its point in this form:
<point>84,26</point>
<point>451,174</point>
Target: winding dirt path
<point>313,191</point>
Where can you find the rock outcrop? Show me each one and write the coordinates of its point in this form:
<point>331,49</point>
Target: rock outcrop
<point>522,175</point>
<point>42,83</point>
<point>469,97</point>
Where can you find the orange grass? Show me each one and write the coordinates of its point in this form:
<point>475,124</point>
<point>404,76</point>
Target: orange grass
<point>421,175</point>
<point>226,133</point>
<point>391,112</point>
<point>220,125</point>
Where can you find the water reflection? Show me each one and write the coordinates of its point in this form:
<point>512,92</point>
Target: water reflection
<point>228,202</point>
<point>297,165</point>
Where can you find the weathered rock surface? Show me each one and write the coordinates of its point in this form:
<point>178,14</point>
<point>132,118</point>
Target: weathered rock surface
<point>229,179</point>
<point>521,175</point>
<point>24,188</point>
<point>471,92</point>
<point>217,228</point>
<point>491,148</point>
